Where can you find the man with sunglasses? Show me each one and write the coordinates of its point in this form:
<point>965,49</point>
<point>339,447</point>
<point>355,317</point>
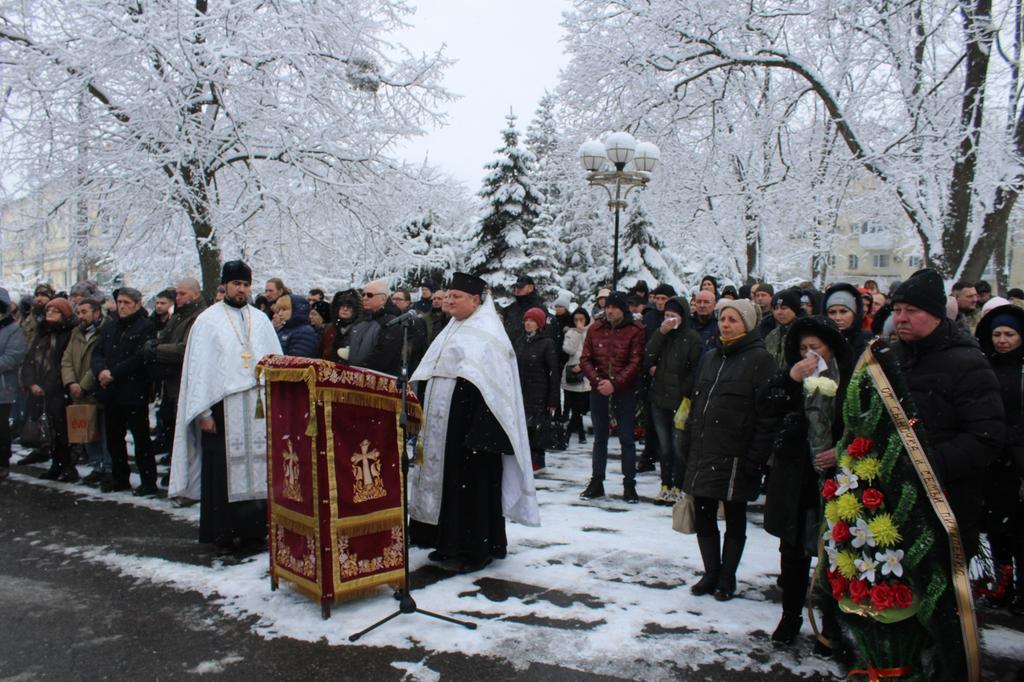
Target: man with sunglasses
<point>374,345</point>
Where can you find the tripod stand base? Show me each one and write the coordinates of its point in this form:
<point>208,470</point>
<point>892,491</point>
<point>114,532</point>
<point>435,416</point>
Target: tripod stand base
<point>406,604</point>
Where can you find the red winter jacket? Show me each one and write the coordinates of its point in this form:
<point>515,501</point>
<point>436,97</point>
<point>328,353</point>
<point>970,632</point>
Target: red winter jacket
<point>615,353</point>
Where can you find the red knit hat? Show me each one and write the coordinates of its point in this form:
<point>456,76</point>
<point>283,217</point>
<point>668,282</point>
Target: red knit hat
<point>537,315</point>
<point>62,305</point>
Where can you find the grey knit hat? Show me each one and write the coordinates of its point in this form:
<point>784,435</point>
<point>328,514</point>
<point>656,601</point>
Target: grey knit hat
<point>748,311</point>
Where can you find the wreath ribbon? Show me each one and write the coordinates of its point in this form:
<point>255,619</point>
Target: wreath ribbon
<point>958,558</point>
<point>877,674</point>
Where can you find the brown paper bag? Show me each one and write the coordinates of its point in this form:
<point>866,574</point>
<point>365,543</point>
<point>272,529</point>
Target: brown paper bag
<point>82,423</point>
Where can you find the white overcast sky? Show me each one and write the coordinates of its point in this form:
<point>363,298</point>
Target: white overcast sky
<point>508,54</point>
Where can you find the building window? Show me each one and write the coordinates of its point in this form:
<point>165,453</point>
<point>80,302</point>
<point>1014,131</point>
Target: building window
<point>853,262</point>
<point>915,262</point>
<point>831,260</point>
<point>880,260</point>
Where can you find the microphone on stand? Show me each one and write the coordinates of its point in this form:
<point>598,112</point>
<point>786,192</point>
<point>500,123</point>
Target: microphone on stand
<point>407,316</point>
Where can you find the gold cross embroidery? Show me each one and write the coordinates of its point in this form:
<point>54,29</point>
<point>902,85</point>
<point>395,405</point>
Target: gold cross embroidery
<point>292,490</point>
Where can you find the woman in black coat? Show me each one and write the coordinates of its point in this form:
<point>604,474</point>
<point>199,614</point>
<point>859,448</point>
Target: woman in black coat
<point>845,306</point>
<point>809,402</point>
<point>41,376</point>
<point>540,379</point>
<point>727,442</point>
<point>1000,333</point>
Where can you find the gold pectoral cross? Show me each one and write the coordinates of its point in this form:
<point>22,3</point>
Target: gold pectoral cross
<point>246,356</point>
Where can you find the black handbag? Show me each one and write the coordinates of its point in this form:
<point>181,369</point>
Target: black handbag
<point>35,433</point>
<point>573,378</point>
<point>558,437</point>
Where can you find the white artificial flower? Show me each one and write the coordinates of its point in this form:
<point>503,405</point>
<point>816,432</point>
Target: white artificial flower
<point>862,535</point>
<point>822,385</point>
<point>866,566</point>
<point>891,560</point>
<point>833,554</point>
<point>846,479</point>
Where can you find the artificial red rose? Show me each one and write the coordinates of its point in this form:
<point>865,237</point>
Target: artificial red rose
<point>859,447</point>
<point>859,590</point>
<point>828,491</point>
<point>841,532</point>
<point>881,597</point>
<point>902,597</point>
<point>839,586</point>
<point>872,498</point>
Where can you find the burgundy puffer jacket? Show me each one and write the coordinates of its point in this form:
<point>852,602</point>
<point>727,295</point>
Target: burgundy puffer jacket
<point>615,353</point>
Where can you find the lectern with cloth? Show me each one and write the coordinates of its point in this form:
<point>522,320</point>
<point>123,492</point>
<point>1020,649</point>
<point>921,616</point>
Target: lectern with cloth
<point>334,477</point>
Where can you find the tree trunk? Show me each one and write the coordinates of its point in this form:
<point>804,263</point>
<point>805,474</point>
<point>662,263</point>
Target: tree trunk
<point>993,235</point>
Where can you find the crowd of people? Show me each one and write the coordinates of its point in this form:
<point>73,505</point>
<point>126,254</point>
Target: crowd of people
<point>708,381</point>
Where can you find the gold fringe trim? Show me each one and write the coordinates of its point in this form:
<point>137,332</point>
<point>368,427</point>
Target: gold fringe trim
<point>376,522</point>
<point>304,585</point>
<point>363,586</point>
<point>293,520</point>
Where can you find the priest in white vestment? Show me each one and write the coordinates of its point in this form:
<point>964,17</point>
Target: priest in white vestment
<point>476,468</point>
<point>220,447</point>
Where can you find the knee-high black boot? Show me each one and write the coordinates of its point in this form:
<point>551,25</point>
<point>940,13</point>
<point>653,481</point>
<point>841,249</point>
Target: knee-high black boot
<point>794,580</point>
<point>709,553</point>
<point>732,551</point>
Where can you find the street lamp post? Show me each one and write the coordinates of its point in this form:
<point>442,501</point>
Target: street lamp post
<point>599,159</point>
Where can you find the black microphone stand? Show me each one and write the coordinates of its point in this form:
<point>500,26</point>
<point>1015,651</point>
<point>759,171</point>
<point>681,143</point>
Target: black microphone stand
<point>406,604</point>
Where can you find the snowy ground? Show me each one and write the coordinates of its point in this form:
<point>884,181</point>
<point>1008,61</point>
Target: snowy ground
<point>601,586</point>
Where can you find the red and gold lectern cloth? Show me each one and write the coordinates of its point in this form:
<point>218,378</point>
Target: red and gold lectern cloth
<point>334,476</point>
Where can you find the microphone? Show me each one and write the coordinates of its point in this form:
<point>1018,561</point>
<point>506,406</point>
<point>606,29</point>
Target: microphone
<point>406,317</point>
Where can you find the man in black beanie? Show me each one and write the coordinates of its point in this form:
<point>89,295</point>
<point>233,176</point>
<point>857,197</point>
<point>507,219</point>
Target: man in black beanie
<point>955,392</point>
<point>786,308</point>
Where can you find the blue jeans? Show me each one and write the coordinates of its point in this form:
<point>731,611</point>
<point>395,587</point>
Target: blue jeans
<point>671,458</point>
<point>624,405</point>
<point>96,454</point>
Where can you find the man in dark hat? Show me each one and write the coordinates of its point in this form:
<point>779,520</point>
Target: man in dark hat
<point>476,466</point>
<point>425,304</point>
<point>218,397</point>
<point>786,307</point>
<point>612,357</point>
<point>955,392</point>
<point>526,298</point>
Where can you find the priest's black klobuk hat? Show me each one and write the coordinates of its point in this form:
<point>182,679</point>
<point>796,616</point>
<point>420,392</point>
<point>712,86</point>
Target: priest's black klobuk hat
<point>235,270</point>
<point>471,284</point>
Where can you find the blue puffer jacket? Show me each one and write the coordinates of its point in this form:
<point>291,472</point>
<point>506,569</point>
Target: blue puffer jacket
<point>297,336</point>
<point>12,352</point>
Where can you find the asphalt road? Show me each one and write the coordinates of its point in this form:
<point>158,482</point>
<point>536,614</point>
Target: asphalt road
<point>65,618</point>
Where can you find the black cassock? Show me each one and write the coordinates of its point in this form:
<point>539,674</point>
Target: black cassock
<point>221,521</point>
<point>471,526</point>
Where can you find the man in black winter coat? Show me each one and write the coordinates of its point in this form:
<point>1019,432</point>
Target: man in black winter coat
<point>374,345</point>
<point>512,314</point>
<point>117,362</point>
<point>956,395</point>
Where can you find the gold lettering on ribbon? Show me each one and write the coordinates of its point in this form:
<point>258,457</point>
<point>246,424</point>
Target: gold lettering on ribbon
<point>290,465</point>
<point>368,484</point>
<point>925,473</point>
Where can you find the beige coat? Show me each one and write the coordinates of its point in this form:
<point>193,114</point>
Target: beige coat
<point>74,365</point>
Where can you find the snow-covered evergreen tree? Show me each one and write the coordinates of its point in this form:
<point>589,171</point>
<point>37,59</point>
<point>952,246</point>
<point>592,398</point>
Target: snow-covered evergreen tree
<point>640,254</point>
<point>503,245</point>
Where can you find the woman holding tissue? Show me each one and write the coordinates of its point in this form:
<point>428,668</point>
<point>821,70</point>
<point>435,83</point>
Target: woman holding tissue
<point>808,397</point>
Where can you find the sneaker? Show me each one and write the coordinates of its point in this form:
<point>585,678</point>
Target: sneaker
<point>629,493</point>
<point>35,457</point>
<point>674,495</point>
<point>146,490</point>
<point>109,485</point>
<point>594,489</point>
<point>538,468</point>
<point>664,496</point>
<point>69,476</point>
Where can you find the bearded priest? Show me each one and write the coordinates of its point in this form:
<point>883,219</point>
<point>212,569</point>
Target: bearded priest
<point>476,467</point>
<point>220,446</point>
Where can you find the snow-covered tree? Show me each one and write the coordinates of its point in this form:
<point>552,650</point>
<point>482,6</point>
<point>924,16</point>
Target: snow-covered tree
<point>257,127</point>
<point>924,97</point>
<point>511,205</point>
<point>640,254</point>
